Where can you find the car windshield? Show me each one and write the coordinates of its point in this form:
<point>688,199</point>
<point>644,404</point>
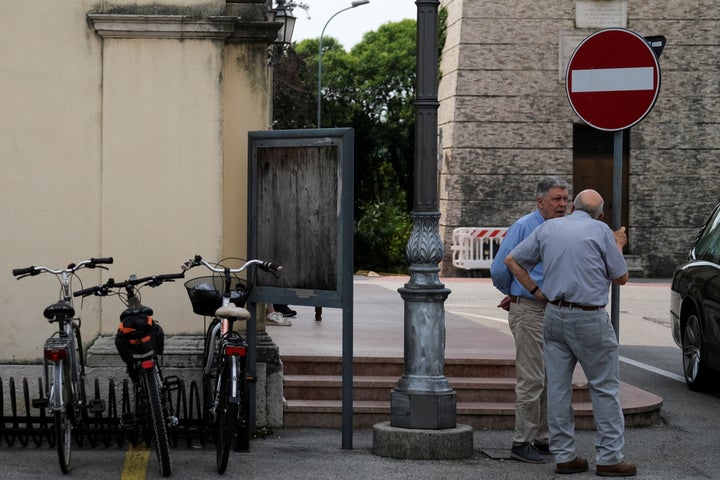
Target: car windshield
<point>707,246</point>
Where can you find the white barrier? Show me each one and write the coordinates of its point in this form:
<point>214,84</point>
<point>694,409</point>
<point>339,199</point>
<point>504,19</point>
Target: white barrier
<point>475,247</point>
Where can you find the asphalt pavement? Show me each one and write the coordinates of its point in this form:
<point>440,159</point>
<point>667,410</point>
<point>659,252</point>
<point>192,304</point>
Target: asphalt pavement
<point>679,447</point>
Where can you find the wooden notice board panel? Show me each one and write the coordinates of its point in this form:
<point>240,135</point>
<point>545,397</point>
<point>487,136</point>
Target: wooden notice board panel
<point>301,214</point>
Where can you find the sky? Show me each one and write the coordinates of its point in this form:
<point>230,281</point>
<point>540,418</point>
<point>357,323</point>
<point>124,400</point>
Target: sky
<point>349,26</point>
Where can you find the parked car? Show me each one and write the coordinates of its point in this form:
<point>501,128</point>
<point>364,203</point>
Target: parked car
<point>695,308</point>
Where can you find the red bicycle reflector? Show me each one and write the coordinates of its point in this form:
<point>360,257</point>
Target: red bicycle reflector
<point>55,354</point>
<point>236,351</point>
<point>147,364</point>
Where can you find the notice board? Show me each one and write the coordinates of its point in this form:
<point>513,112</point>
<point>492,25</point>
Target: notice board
<point>301,214</point>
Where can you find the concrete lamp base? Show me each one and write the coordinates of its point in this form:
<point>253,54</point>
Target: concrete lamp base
<point>419,444</point>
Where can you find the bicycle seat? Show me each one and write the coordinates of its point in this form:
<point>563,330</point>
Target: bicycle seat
<point>232,311</point>
<point>59,309</point>
<point>136,311</point>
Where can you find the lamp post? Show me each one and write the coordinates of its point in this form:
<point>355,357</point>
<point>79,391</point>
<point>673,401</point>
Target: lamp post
<point>284,15</point>
<point>355,3</point>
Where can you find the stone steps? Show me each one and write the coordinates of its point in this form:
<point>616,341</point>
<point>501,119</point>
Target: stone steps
<point>485,392</point>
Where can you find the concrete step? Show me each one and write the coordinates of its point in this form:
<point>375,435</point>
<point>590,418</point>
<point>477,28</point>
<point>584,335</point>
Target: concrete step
<point>371,388</point>
<point>181,351</point>
<point>641,409</point>
<point>393,366</point>
<point>485,392</point>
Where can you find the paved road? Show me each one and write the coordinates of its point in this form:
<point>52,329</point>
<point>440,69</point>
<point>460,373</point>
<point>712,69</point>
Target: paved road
<point>682,446</point>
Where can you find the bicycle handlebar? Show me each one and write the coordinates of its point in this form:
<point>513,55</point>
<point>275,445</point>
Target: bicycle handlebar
<point>92,263</point>
<point>152,281</point>
<point>198,260</point>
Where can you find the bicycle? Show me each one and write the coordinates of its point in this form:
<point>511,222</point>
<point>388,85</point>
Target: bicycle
<point>63,355</point>
<point>139,341</point>
<point>225,378</point>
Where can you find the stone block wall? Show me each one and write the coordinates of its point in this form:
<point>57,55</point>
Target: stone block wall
<point>505,120</point>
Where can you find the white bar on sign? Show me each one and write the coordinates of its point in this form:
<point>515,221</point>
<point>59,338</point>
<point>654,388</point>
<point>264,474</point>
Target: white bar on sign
<point>612,79</point>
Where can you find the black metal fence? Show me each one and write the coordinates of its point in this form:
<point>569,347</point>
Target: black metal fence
<point>26,425</point>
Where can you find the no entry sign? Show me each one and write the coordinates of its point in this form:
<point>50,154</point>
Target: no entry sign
<point>613,79</point>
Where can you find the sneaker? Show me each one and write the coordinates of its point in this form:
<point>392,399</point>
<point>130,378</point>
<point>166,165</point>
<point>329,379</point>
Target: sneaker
<point>276,318</point>
<point>526,452</point>
<point>285,310</point>
<point>577,465</point>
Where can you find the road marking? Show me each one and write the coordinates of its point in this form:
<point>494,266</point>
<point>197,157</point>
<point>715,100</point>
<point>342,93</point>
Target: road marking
<point>136,462</point>
<point>652,369</point>
<point>466,314</point>
<point>629,361</point>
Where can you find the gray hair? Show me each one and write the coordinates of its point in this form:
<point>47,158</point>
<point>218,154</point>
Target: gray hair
<point>548,183</point>
<point>595,211</point>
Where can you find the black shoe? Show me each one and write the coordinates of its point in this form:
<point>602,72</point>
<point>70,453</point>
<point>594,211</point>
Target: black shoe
<point>542,446</point>
<point>526,452</point>
<point>286,312</point>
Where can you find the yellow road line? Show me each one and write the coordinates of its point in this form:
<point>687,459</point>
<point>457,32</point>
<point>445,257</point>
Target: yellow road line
<point>136,462</point>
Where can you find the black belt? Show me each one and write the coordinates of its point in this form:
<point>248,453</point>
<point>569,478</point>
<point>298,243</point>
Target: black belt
<point>518,298</point>
<point>563,303</point>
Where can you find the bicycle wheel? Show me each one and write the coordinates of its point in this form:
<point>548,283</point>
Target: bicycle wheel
<point>157,422</point>
<point>63,425</point>
<point>227,414</point>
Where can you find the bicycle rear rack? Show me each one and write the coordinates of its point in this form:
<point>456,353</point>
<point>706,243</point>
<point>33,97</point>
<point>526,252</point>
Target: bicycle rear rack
<point>27,421</point>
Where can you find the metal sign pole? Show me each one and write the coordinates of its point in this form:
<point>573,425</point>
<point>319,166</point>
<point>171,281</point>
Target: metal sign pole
<point>617,223</point>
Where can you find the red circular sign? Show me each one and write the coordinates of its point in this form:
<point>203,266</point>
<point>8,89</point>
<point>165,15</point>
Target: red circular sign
<point>613,79</point>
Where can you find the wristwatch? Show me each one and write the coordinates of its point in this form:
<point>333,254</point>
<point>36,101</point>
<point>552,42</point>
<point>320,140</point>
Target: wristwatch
<point>537,287</point>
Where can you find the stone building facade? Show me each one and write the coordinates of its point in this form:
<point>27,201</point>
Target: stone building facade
<point>505,120</point>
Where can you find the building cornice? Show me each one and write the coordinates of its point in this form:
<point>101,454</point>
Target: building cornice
<point>222,27</point>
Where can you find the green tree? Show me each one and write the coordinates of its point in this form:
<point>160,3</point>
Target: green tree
<point>372,89</point>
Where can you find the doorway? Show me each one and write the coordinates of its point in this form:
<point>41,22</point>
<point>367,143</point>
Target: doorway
<point>593,167</point>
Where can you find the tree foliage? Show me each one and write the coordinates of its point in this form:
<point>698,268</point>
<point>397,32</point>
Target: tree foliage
<point>372,89</point>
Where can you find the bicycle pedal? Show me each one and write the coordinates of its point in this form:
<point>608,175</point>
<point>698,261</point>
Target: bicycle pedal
<point>40,402</point>
<point>96,406</point>
<point>172,383</point>
<point>251,379</point>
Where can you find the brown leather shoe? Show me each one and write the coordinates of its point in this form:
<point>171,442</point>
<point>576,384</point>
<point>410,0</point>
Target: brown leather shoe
<point>622,469</point>
<point>574,466</point>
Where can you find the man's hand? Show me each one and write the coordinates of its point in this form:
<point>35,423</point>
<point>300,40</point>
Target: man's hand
<point>505,303</point>
<point>620,237</point>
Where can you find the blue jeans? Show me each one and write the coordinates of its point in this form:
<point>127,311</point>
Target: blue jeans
<point>573,335</point>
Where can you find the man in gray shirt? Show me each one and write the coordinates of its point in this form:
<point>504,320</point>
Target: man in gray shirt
<point>581,257</point>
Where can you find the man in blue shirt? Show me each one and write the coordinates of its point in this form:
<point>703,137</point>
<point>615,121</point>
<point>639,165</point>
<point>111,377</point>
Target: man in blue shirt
<point>581,256</point>
<point>525,318</point>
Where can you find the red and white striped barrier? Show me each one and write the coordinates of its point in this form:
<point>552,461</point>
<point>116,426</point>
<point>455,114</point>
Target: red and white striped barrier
<point>475,247</point>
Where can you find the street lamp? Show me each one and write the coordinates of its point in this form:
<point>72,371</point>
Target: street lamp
<point>355,3</point>
<point>283,14</point>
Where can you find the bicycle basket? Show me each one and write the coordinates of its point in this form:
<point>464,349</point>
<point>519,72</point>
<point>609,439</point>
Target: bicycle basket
<point>206,293</point>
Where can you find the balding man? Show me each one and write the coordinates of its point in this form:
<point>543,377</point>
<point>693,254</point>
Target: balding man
<point>581,256</point>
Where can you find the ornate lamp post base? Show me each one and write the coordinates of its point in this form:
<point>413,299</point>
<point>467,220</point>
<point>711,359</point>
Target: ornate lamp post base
<point>423,398</point>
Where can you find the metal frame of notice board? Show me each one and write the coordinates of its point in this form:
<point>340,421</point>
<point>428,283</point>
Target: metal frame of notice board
<point>300,215</point>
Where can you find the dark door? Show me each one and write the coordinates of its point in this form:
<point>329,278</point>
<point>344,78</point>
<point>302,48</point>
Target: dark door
<point>593,167</point>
